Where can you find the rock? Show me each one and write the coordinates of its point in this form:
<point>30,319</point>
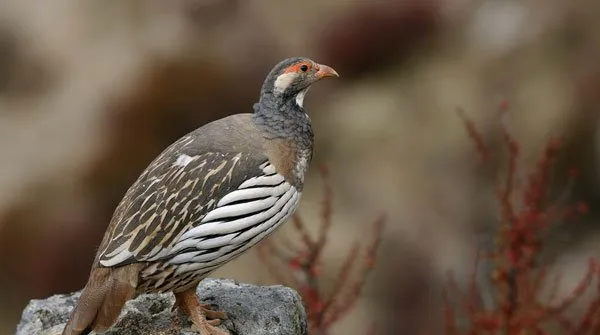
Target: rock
<point>252,310</point>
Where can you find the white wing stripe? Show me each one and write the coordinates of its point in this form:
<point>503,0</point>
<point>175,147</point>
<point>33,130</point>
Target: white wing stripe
<point>220,227</point>
<point>264,226</point>
<point>207,262</point>
<point>203,245</point>
<point>214,242</point>
<point>273,180</point>
<point>269,169</point>
<point>226,253</point>
<point>120,257</point>
<point>252,193</point>
<point>184,257</point>
<point>245,208</point>
<point>279,212</point>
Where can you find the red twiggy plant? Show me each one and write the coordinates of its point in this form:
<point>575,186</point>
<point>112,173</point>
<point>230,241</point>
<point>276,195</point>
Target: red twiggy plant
<point>299,265</point>
<point>526,214</point>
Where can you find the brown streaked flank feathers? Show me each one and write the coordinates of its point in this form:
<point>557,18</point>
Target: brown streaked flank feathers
<point>176,200</point>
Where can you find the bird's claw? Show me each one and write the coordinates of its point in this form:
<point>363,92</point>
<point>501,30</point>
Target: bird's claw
<point>213,315</point>
<point>204,319</point>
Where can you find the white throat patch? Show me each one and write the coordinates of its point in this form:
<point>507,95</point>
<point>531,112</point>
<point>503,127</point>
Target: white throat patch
<point>300,97</point>
<point>283,81</point>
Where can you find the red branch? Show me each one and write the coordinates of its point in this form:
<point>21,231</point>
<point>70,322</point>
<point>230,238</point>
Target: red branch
<point>518,276</point>
<point>299,267</point>
<point>475,135</point>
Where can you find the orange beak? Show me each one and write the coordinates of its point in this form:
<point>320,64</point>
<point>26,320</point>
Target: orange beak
<point>325,71</point>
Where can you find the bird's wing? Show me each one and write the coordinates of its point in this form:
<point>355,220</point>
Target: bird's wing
<point>182,199</point>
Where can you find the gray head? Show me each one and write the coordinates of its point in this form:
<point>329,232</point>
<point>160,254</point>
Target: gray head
<point>291,78</point>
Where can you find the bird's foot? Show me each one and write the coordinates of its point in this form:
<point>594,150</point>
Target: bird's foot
<point>198,313</point>
<point>213,315</point>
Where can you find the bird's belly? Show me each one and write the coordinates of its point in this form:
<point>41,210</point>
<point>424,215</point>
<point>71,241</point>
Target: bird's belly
<point>194,263</point>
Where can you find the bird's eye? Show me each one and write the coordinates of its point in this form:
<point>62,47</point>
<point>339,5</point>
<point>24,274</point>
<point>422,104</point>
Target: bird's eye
<point>304,68</point>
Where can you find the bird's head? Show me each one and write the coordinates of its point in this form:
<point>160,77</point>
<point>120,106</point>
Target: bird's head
<point>292,77</point>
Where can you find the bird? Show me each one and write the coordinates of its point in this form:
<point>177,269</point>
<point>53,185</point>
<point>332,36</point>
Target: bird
<point>203,201</point>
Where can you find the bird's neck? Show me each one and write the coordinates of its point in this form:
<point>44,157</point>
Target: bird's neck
<point>284,117</point>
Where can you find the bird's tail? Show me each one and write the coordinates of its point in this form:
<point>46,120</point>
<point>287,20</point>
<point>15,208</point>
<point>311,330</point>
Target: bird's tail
<point>102,299</point>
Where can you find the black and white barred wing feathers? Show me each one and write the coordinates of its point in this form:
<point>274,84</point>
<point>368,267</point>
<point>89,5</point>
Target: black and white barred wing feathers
<point>198,211</point>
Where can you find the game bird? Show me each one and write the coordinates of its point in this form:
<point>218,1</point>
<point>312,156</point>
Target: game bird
<point>205,200</point>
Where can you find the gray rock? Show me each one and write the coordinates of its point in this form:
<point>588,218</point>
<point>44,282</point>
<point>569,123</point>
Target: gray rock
<point>252,310</point>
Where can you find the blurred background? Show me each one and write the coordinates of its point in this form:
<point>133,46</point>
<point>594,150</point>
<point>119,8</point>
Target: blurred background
<point>91,91</point>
